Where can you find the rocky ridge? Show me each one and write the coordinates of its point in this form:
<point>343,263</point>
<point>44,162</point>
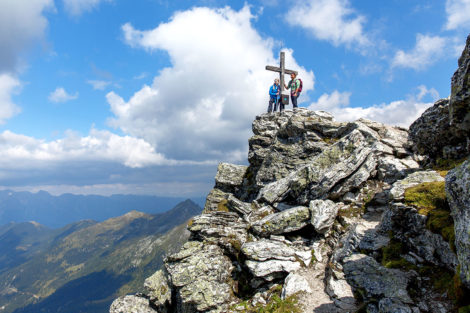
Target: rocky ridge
<point>327,217</point>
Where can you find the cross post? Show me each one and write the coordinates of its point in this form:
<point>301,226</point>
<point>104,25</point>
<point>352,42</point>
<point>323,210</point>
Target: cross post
<point>281,70</point>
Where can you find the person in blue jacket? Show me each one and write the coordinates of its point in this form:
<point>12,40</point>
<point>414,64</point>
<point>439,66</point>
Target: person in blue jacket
<point>274,96</point>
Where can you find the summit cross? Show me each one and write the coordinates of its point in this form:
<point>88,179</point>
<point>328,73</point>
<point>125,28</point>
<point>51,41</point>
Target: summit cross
<point>281,70</point>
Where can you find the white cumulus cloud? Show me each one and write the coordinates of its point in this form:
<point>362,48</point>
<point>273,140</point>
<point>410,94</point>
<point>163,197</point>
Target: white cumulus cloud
<point>21,22</point>
<point>458,14</point>
<point>428,49</point>
<point>8,85</point>
<point>332,20</point>
<point>60,95</point>
<point>78,7</point>
<point>400,112</point>
<point>202,106</point>
<point>20,151</point>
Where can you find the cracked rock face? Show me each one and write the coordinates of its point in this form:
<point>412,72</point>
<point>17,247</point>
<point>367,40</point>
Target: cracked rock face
<point>459,107</point>
<point>201,275</point>
<point>458,191</point>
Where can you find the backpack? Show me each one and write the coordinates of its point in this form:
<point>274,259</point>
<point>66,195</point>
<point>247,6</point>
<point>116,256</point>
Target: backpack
<point>300,85</point>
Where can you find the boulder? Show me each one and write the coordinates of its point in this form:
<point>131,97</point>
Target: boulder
<point>458,193</point>
<point>283,222</point>
<point>323,214</point>
<point>159,291</point>
<point>270,259</point>
<point>201,275</point>
<point>378,282</point>
<point>293,284</point>
<point>225,229</point>
<point>134,304</point>
<point>229,176</point>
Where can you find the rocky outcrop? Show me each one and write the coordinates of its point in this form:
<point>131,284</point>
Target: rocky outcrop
<point>323,215</point>
<point>278,221</point>
<point>458,191</point>
<point>442,131</point>
<point>459,107</point>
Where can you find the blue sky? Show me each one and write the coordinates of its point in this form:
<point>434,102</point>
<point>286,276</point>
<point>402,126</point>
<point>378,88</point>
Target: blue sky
<point>148,96</point>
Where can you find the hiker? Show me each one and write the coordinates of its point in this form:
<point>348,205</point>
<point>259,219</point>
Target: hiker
<point>295,86</point>
<point>274,96</point>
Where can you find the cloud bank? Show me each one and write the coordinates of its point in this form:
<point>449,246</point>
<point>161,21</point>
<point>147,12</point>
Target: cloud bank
<point>399,113</point>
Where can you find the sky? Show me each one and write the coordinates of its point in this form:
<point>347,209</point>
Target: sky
<point>148,96</point>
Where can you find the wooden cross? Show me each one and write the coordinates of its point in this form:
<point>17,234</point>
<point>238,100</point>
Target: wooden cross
<point>281,70</point>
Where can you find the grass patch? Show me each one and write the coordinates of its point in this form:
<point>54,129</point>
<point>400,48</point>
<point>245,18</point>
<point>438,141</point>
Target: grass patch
<point>274,304</point>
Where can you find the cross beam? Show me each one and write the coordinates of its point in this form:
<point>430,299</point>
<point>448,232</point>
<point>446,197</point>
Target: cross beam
<point>281,70</point>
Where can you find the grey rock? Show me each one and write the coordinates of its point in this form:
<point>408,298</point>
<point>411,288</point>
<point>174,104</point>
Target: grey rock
<point>458,191</point>
<point>214,198</point>
<point>323,214</point>
<point>236,205</point>
<point>134,304</point>
<point>269,259</point>
<point>364,272</point>
<point>225,229</point>
<point>159,291</point>
<point>393,305</point>
<point>283,222</point>
<point>459,107</point>
<point>229,176</point>
<point>200,274</point>
<point>314,180</point>
<point>293,284</point>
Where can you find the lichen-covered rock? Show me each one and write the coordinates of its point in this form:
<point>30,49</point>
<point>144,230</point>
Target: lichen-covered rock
<point>214,198</point>
<point>226,229</point>
<point>458,191</point>
<point>293,284</point>
<point>459,107</point>
<point>159,292</point>
<point>270,259</point>
<point>283,222</point>
<point>323,214</point>
<point>314,180</point>
<point>229,176</point>
<point>201,276</point>
<point>134,304</point>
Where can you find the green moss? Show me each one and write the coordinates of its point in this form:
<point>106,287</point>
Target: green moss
<point>330,141</point>
<point>465,309</point>
<point>391,256</point>
<point>441,222</point>
<point>426,196</point>
<point>447,164</point>
<point>430,199</point>
<point>352,211</point>
<point>222,206</point>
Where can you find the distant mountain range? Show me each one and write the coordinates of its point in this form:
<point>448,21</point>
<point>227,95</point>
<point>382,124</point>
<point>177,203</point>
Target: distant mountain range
<point>83,266</point>
<point>58,211</point>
